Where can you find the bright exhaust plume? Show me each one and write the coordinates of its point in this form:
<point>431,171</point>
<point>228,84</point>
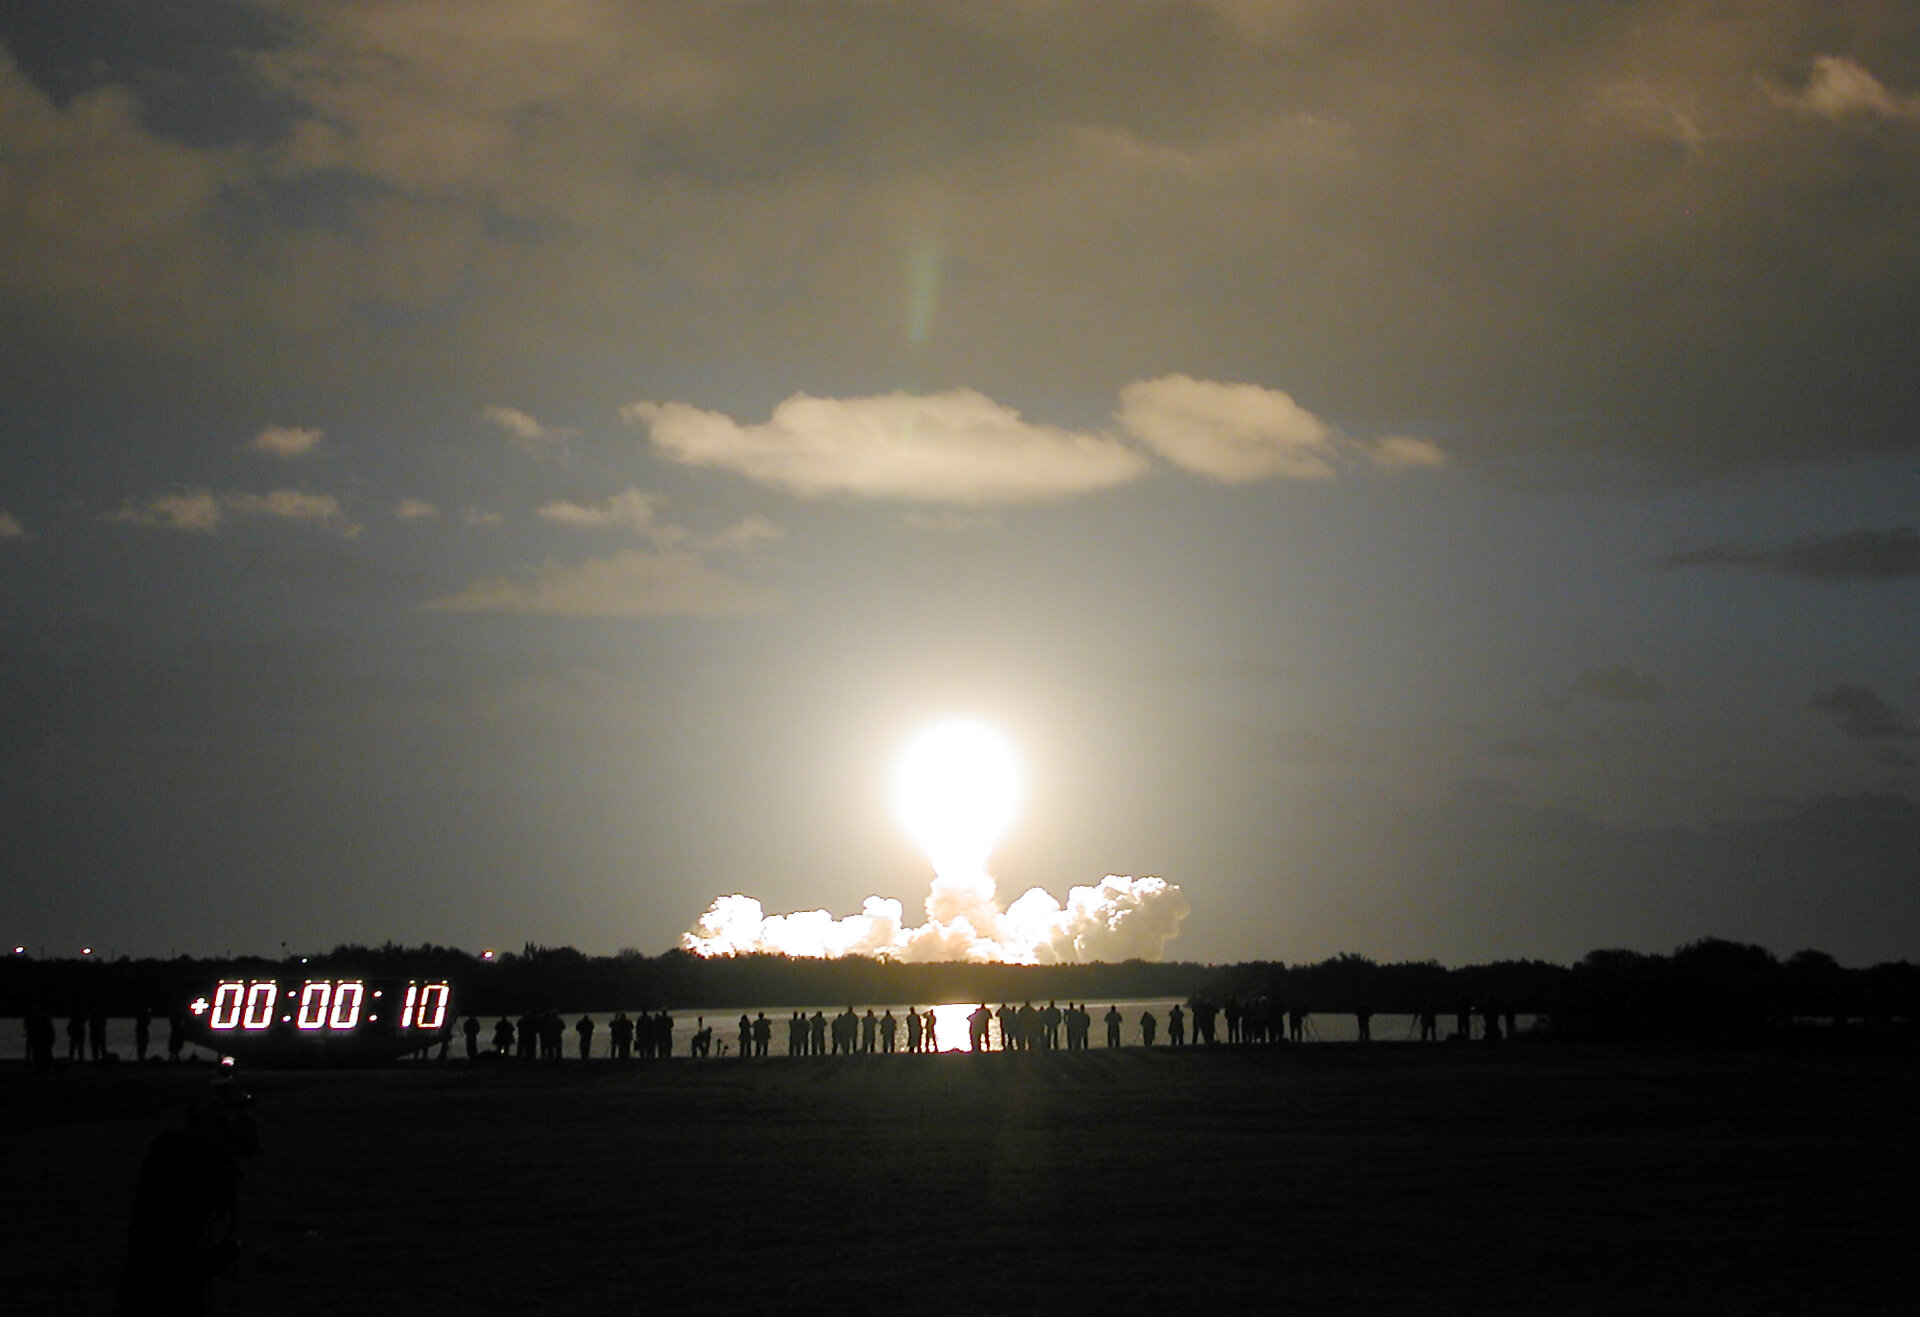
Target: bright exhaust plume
<point>955,790</point>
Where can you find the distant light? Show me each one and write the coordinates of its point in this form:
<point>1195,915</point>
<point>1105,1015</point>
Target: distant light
<point>19,951</point>
<point>303,960</point>
<point>486,955</point>
<point>86,951</point>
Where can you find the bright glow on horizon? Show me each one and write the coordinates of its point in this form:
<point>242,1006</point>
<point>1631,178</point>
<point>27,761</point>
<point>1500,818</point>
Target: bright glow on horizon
<point>955,790</point>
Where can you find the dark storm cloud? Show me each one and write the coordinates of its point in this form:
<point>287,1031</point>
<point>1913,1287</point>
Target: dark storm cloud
<point>1860,713</point>
<point>1857,555</point>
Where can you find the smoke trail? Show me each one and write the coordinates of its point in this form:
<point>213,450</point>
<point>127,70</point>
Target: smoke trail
<point>1118,919</point>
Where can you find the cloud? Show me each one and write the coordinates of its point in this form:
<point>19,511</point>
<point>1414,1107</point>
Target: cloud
<point>1605,222</point>
<point>1861,714</point>
<point>961,447</point>
<point>629,510</point>
<point>10,527</point>
<point>201,511</point>
<point>294,505</point>
<point>286,441</point>
<point>631,583</point>
<point>530,435</point>
<point>1857,555</point>
<point>1227,432</point>
<point>1839,87</point>
<point>744,536</point>
<point>192,510</point>
<point>415,509</point>
<point>953,447</point>
<point>1618,684</point>
<point>1399,452</point>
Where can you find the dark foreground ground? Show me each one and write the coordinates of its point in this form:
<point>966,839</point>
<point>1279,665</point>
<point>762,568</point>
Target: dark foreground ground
<point>1538,1178</point>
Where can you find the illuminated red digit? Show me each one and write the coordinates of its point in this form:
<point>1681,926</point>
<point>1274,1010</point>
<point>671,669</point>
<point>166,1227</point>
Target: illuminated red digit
<point>432,1013</point>
<point>226,1004</point>
<point>315,995</point>
<point>261,995</point>
<point>406,1012</point>
<point>346,1004</point>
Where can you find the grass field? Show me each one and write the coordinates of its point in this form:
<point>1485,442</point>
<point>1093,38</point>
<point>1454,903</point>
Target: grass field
<point>1534,1178</point>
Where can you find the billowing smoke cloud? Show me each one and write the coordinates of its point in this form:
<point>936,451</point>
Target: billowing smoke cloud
<point>1118,919</point>
<point>956,788</point>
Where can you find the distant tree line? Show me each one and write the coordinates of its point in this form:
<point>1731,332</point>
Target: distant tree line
<point>1708,987</point>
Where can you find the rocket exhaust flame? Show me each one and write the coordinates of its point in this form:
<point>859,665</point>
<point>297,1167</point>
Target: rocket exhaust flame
<point>955,792</point>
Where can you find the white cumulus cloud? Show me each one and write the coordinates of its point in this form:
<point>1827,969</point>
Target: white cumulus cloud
<point>529,433</point>
<point>953,447</point>
<point>286,441</point>
<point>1227,432</point>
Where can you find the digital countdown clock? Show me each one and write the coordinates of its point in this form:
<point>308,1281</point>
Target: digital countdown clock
<point>321,1021</point>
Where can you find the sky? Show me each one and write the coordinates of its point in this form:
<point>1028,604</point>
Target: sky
<point>1426,481</point>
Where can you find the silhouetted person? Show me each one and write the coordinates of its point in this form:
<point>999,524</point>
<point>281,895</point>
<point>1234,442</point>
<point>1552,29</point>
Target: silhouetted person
<point>913,1030</point>
<point>183,1232</point>
<point>77,1038</point>
<point>1176,1026</point>
<point>584,1027</point>
<point>471,1032</point>
<point>503,1037</point>
<point>1429,1025</point>
<point>1297,1023</point>
<point>762,1033</point>
<point>817,1033</point>
<point>746,1035</point>
<point>142,1034</point>
<point>1363,1023</point>
<point>869,1025</point>
<point>889,1030</point>
<point>1009,1027</point>
<point>978,1021</point>
<point>933,1030</point>
<point>1463,1022</point>
<point>620,1036</point>
<point>1490,1022</point>
<point>1113,1019</point>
